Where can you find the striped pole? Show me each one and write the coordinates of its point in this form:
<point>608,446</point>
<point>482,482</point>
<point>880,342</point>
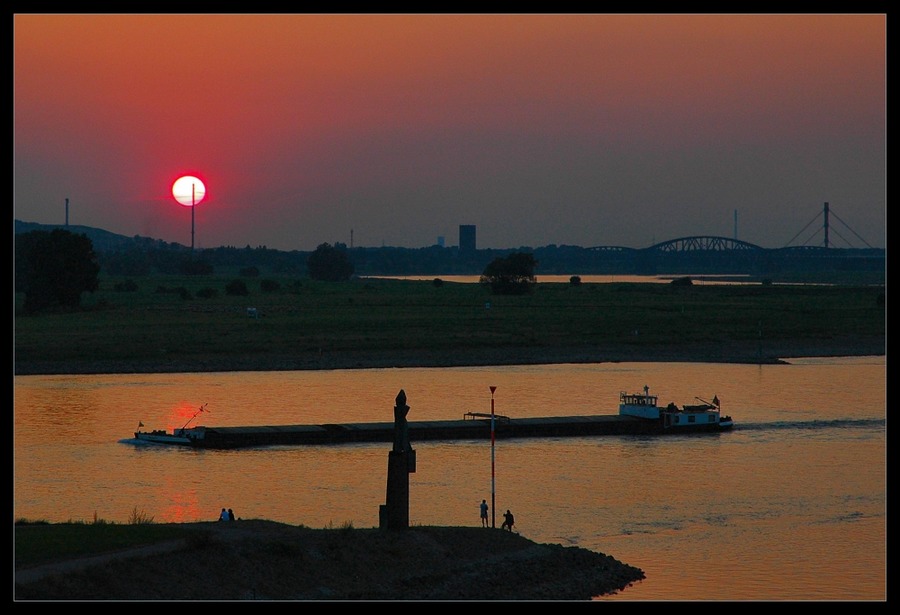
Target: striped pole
<point>493,483</point>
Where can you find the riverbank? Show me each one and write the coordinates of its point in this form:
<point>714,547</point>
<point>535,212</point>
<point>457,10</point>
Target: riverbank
<point>264,560</point>
<point>748,352</point>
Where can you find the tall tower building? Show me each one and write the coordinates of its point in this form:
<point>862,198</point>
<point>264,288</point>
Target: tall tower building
<point>466,238</point>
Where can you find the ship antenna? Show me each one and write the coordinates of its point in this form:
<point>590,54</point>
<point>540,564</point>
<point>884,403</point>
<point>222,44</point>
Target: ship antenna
<point>202,408</point>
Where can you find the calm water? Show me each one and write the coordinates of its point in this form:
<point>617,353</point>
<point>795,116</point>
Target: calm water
<point>791,505</point>
<point>730,280</point>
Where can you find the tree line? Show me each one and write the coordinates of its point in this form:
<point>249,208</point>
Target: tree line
<point>53,269</point>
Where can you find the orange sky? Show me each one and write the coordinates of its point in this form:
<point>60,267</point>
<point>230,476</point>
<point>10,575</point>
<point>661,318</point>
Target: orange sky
<point>539,129</point>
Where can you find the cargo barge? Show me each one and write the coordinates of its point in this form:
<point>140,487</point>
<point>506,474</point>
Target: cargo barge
<point>639,414</point>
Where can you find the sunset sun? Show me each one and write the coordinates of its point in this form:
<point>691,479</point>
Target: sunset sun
<point>188,190</point>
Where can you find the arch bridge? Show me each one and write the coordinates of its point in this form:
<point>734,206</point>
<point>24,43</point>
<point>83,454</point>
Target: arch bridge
<point>699,243</point>
<point>704,243</point>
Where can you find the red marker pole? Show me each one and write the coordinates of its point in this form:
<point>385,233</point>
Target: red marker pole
<point>493,484</point>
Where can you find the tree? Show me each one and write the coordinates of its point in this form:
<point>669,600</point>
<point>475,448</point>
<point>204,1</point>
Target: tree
<point>53,269</point>
<point>510,275</point>
<point>329,263</point>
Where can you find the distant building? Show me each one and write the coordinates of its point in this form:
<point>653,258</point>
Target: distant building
<point>467,238</point>
<point>440,241</point>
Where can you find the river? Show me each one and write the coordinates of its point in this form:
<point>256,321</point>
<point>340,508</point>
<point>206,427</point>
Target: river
<point>790,505</point>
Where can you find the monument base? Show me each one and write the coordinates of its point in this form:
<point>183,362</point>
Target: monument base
<point>394,514</point>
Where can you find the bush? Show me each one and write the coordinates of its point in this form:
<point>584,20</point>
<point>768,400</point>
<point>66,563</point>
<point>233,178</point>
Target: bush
<point>269,286</point>
<point>236,288</point>
<point>330,263</point>
<point>139,517</point>
<point>511,275</point>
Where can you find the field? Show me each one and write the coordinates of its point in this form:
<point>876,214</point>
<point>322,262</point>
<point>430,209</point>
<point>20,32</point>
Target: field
<point>172,323</point>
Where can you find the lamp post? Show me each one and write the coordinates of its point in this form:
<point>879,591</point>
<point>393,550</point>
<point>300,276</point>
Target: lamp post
<point>493,484</point>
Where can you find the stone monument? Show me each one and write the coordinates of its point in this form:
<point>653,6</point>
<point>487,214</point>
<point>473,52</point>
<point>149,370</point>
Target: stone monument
<point>394,514</point>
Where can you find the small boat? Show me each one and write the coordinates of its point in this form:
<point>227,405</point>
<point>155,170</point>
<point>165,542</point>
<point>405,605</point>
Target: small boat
<point>182,435</point>
<point>705,416</point>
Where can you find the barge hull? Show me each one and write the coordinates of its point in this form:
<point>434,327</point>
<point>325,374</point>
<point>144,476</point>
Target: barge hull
<point>420,431</point>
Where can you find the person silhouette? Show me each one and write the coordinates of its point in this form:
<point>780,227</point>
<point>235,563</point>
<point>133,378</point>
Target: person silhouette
<point>508,520</point>
<point>230,515</point>
<point>484,511</point>
<point>223,516</point>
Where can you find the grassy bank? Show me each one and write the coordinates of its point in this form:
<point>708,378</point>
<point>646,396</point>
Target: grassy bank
<point>193,324</point>
<point>41,543</point>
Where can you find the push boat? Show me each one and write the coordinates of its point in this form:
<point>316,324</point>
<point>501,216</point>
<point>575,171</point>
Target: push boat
<point>639,415</point>
<point>182,435</point>
<point>705,416</point>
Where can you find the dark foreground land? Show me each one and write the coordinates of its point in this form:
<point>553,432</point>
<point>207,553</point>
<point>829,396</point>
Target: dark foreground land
<point>263,560</point>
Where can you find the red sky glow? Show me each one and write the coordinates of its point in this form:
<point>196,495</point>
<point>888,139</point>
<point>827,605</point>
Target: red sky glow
<point>539,129</point>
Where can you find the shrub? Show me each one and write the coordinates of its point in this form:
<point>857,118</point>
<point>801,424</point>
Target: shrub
<point>269,286</point>
<point>139,518</point>
<point>236,288</point>
<point>329,263</point>
<point>510,275</point>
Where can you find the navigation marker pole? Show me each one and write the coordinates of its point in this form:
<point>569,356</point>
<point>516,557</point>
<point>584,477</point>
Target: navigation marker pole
<point>493,484</point>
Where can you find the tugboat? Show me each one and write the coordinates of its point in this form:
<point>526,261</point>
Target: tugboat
<point>705,416</point>
<point>182,435</point>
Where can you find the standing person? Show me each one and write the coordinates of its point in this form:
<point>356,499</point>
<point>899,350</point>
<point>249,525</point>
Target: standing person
<point>484,510</point>
<point>230,515</point>
<point>508,520</point>
<point>223,516</point>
